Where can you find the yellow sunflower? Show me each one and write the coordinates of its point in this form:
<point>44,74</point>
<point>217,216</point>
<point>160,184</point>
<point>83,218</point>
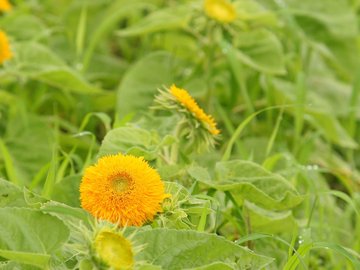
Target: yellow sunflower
<point>114,249</point>
<point>184,98</point>
<point>5,53</point>
<point>220,10</point>
<point>5,5</point>
<point>122,189</point>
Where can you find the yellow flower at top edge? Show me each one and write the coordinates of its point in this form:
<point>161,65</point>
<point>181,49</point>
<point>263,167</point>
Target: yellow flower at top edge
<point>114,249</point>
<point>5,5</point>
<point>190,104</point>
<point>220,10</point>
<point>5,53</point>
<point>122,189</point>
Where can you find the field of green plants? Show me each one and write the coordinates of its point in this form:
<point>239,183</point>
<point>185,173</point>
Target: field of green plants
<point>185,135</point>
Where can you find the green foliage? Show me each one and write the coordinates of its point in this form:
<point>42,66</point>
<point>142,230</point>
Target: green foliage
<point>140,83</point>
<point>178,249</point>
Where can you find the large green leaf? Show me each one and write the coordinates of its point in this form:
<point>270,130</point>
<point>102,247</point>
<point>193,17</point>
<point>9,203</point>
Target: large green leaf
<point>336,16</point>
<point>130,140</point>
<point>110,17</point>
<point>14,26</point>
<point>266,221</point>
<point>10,195</point>
<point>40,63</point>
<point>140,83</point>
<point>331,128</point>
<point>29,143</point>
<point>261,50</point>
<point>67,191</point>
<point>181,249</point>
<point>215,266</point>
<point>247,180</point>
<point>255,14</point>
<point>30,236</point>
<point>160,20</point>
<point>69,215</point>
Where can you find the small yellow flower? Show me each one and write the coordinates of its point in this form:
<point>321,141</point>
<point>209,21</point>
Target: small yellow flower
<point>184,98</point>
<point>220,10</point>
<point>114,249</point>
<point>5,5</point>
<point>5,53</point>
<point>122,189</point>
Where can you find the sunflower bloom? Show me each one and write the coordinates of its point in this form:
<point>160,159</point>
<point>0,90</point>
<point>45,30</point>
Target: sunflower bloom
<point>5,5</point>
<point>5,53</point>
<point>122,189</point>
<point>220,10</point>
<point>114,250</point>
<point>184,98</point>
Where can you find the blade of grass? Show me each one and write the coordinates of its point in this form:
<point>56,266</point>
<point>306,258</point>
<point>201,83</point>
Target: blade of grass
<point>230,129</point>
<point>51,175</point>
<point>241,127</point>
<point>236,68</point>
<point>257,236</point>
<point>353,105</point>
<point>274,133</point>
<point>9,164</point>
<point>203,218</point>
<point>299,109</point>
<point>350,254</point>
<point>39,176</point>
<point>342,196</point>
<point>81,31</point>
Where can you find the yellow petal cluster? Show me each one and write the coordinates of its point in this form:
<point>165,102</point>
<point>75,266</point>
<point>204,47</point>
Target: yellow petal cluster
<point>5,53</point>
<point>187,101</point>
<point>220,10</point>
<point>122,189</point>
<point>5,6</point>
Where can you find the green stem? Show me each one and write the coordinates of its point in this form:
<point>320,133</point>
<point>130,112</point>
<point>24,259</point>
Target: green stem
<point>174,151</point>
<point>210,57</point>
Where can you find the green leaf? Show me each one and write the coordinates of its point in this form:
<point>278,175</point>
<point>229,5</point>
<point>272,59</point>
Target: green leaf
<point>65,78</point>
<point>10,195</point>
<point>14,26</point>
<point>64,212</point>
<point>215,266</point>
<point>331,129</point>
<point>30,236</point>
<point>40,63</point>
<point>141,82</point>
<point>181,249</point>
<point>67,191</point>
<point>114,13</point>
<point>40,260</point>
<point>130,140</point>
<point>247,180</point>
<point>336,16</point>
<point>266,221</point>
<point>261,50</point>
<point>6,98</point>
<point>149,267</point>
<point>28,141</point>
<point>164,19</point>
<point>255,14</point>
<point>7,265</point>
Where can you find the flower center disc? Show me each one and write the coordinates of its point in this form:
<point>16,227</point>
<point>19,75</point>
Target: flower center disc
<point>121,182</point>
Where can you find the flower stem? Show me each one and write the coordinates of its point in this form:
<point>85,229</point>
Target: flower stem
<point>174,152</point>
